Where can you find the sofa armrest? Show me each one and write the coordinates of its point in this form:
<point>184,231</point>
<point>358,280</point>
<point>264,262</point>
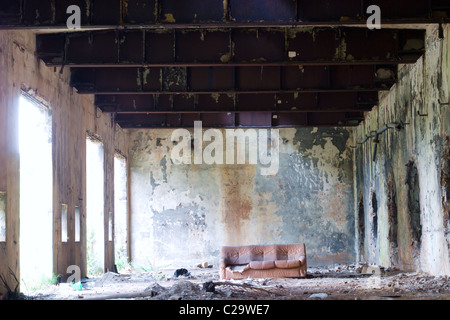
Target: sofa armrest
<point>302,260</point>
<point>303,266</point>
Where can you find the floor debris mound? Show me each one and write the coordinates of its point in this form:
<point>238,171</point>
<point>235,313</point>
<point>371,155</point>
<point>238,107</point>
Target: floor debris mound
<point>336,282</point>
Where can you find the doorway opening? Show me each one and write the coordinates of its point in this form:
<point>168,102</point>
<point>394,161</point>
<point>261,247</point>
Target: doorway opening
<point>120,212</point>
<point>95,223</point>
<point>36,193</point>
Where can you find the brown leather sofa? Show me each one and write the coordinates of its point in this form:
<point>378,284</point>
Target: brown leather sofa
<point>263,261</point>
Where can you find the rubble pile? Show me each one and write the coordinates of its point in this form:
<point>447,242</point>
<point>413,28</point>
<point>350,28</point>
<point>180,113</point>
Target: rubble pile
<point>336,282</point>
<point>418,282</point>
<point>180,290</point>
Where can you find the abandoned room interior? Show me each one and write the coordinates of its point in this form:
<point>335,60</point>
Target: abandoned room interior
<point>224,149</point>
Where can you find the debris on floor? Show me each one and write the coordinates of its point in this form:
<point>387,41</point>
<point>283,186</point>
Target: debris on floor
<point>209,286</point>
<point>109,278</point>
<point>336,282</point>
<point>372,269</point>
<point>319,296</point>
<point>181,272</point>
<point>204,265</point>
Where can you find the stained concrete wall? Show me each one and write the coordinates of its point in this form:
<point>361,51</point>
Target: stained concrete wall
<point>183,214</point>
<point>73,116</point>
<point>401,207</point>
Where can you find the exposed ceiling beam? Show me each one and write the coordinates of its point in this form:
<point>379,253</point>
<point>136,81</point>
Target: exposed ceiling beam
<point>233,47</point>
<point>216,13</point>
<point>229,63</point>
<point>240,120</point>
<point>218,80</point>
<point>213,103</point>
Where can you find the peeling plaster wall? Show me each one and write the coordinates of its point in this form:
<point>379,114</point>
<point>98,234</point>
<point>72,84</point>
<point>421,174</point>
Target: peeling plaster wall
<point>73,116</point>
<point>410,173</point>
<point>184,214</point>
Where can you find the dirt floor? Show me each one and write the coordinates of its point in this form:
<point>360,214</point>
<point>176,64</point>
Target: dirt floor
<point>338,282</point>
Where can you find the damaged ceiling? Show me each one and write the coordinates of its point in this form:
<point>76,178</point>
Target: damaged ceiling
<point>235,63</point>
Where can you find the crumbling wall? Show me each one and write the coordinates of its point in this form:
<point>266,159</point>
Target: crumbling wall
<point>409,173</point>
<point>183,214</point>
<point>73,116</point>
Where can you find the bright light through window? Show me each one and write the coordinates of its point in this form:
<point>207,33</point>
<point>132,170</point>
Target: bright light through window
<point>36,195</point>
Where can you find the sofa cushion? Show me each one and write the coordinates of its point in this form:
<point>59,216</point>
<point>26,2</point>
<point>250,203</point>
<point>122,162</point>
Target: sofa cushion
<point>238,268</point>
<point>287,264</point>
<point>262,265</point>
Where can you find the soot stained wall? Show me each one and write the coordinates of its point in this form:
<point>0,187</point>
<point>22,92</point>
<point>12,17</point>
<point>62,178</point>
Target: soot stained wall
<point>183,214</point>
<point>410,173</point>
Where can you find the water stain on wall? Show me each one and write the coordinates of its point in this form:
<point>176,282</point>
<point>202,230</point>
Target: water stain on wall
<point>236,192</point>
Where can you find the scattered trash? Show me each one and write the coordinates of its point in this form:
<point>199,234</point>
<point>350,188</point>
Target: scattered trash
<point>372,269</point>
<point>58,279</point>
<point>204,265</point>
<point>320,296</point>
<point>209,286</point>
<point>339,281</point>
<point>77,286</point>
<point>248,287</point>
<point>160,276</point>
<point>181,272</point>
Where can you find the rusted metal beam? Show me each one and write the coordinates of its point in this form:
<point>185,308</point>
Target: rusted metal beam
<point>231,80</point>
<point>240,120</point>
<point>214,103</point>
<point>232,47</point>
<point>216,13</point>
